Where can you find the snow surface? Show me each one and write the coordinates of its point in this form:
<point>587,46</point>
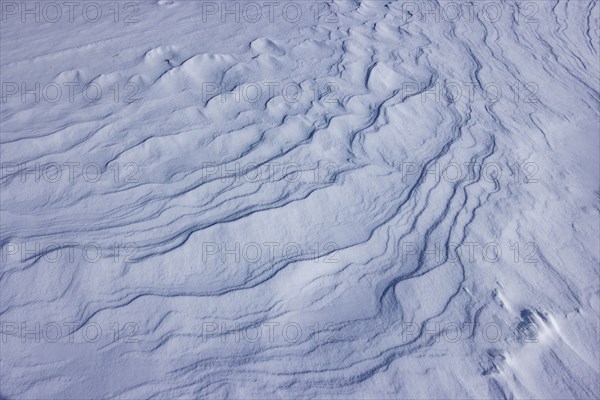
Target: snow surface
<point>354,199</point>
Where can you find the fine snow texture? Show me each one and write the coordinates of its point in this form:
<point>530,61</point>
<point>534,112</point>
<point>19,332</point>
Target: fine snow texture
<point>353,199</point>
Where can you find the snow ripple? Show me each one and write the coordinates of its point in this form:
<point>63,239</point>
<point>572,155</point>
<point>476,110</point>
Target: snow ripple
<point>375,201</point>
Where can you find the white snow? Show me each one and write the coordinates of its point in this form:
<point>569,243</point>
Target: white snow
<point>300,199</point>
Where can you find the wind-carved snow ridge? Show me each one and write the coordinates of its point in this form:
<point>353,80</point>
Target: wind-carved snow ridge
<point>352,199</point>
